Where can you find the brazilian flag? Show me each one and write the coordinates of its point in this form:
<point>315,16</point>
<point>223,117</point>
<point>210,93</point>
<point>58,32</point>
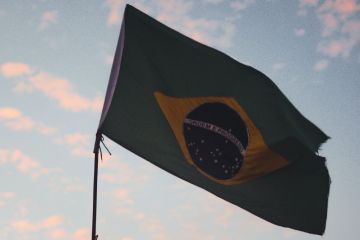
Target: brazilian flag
<point>216,123</point>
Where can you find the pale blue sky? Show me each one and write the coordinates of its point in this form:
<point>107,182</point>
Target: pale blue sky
<point>55,60</point>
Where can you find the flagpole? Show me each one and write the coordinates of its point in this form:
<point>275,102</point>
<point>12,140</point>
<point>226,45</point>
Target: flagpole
<point>96,164</point>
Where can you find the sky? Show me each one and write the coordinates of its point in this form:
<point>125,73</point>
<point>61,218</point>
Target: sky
<point>55,61</point>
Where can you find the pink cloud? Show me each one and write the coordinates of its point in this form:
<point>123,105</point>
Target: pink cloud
<point>62,91</point>
<point>156,229</point>
<point>139,216</point>
<point>23,226</point>
<point>45,130</point>
<point>21,123</point>
<point>9,113</point>
<point>66,184</point>
<point>48,18</point>
<point>123,195</point>
<point>111,178</point>
<point>152,225</point>
<point>215,2</point>
<point>82,152</point>
<point>58,89</point>
<point>326,6</point>
<point>340,26</point>
<point>335,48</point>
<point>13,119</point>
<point>49,225</point>
<point>71,188</point>
<point>330,23</point>
<point>97,104</point>
<point>321,65</point>
<point>82,234</point>
<point>57,233</point>
<point>115,11</point>
<point>23,86</point>
<point>201,23</point>
<point>79,142</point>
<point>299,32</point>
<point>227,215</point>
<point>4,156</point>
<point>339,47</point>
<point>77,138</point>
<point>127,238</point>
<point>176,14</point>
<point>352,28</point>
<point>309,2</point>
<point>22,162</point>
<point>13,69</point>
<point>278,66</point>
<point>52,221</point>
<point>116,171</point>
<point>346,6</point>
<point>109,59</point>
<point>240,5</point>
<point>5,196</point>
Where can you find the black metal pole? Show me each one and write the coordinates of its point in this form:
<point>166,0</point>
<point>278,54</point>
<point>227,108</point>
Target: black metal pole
<point>96,164</point>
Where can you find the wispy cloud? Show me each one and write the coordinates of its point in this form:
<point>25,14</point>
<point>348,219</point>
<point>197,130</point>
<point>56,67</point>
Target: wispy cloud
<point>14,119</point>
<point>213,1</point>
<point>215,32</point>
<point>52,221</point>
<point>22,162</point>
<point>299,32</point>
<point>115,14</point>
<point>79,143</point>
<point>9,113</point>
<point>127,238</point>
<point>24,226</point>
<point>340,25</point>
<point>152,225</point>
<point>48,18</point>
<point>52,227</point>
<point>177,14</point>
<point>63,183</point>
<point>77,139</point>
<point>57,233</point>
<point>63,93</point>
<point>118,172</point>
<point>240,5</point>
<point>123,195</point>
<point>321,65</point>
<point>59,89</point>
<point>82,234</point>
<point>304,3</point>
<point>6,196</point>
<point>330,24</point>
<point>278,66</point>
<point>109,59</point>
<point>156,229</point>
<point>14,69</point>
